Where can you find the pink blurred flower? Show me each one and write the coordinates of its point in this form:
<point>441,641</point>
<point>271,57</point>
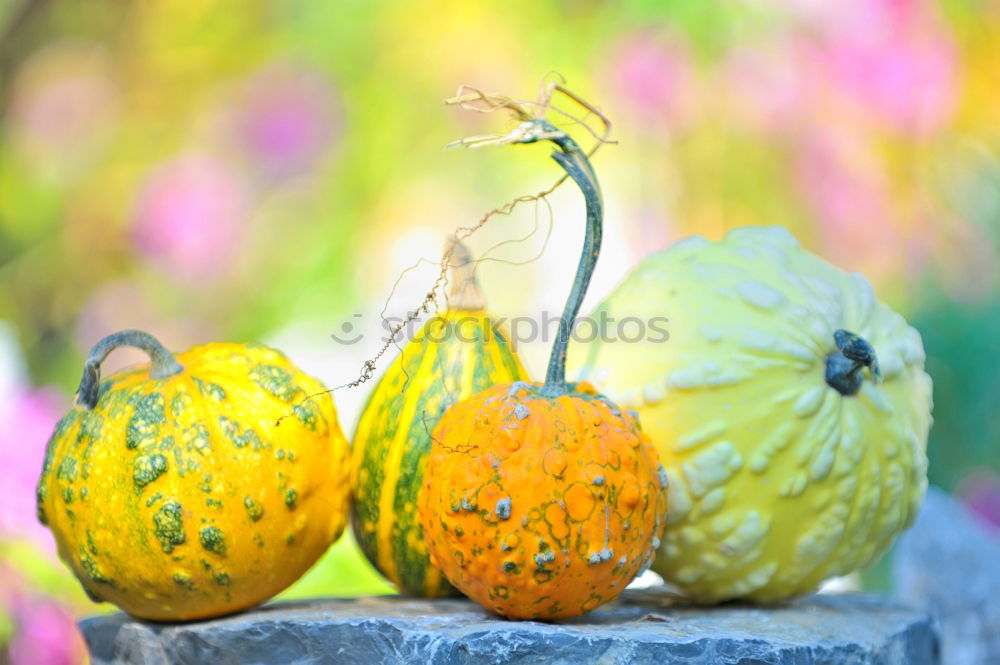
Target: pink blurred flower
<point>980,491</point>
<point>25,427</point>
<point>653,75</point>
<point>288,120</point>
<point>894,58</point>
<point>907,81</point>
<point>844,184</point>
<point>770,81</point>
<point>45,632</point>
<point>64,102</point>
<point>189,214</point>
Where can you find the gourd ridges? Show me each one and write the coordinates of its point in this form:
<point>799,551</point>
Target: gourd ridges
<point>860,484</point>
<point>437,369</point>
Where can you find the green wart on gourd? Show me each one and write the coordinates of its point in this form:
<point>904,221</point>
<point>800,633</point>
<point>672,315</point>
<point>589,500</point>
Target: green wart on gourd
<point>211,538</point>
<point>275,380</point>
<point>148,468</point>
<point>169,526</point>
<point>183,579</point>
<point>254,509</point>
<point>91,568</point>
<point>249,436</point>
<point>146,418</point>
<point>212,391</point>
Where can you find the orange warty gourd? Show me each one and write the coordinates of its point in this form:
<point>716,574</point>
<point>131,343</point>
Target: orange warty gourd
<point>173,492</point>
<point>544,501</point>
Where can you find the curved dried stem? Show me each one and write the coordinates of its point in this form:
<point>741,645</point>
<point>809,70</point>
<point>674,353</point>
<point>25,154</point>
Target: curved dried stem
<point>528,112</point>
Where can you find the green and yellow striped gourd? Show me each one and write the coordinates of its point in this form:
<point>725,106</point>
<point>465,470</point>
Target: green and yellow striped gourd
<point>454,356</point>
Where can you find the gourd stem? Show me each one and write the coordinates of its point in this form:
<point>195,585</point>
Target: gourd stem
<point>574,161</point>
<point>163,362</point>
<point>843,366</point>
<point>464,293</point>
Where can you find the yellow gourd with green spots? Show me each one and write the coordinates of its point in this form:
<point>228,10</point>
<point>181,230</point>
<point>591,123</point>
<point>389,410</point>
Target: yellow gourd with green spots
<point>174,492</point>
<point>790,408</point>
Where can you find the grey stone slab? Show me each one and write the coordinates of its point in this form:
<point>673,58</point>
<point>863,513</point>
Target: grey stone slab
<point>645,626</point>
<point>949,564</point>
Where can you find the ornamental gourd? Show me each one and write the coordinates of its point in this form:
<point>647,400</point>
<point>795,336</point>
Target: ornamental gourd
<point>174,492</point>
<point>544,501</point>
<point>789,405</point>
<point>454,356</point>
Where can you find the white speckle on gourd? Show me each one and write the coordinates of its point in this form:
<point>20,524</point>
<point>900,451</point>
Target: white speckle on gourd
<point>862,296</point>
<point>725,379</point>
<point>746,536</point>
<point>890,362</point>
<point>822,461</point>
<point>653,393</point>
<point>710,468</point>
<point>689,574</point>
<point>874,396</point>
<point>850,436</point>
<point>689,536</point>
<point>895,484</point>
<point>721,526</point>
<point>785,396</point>
<point>800,352</point>
<point>521,412</point>
<point>760,295</point>
<point>818,542</point>
<point>712,501</point>
<point>714,562</point>
<point>710,334</point>
<point>690,244</point>
<point>710,430</point>
<point>758,362</point>
<point>761,576</point>
<point>810,401</point>
<point>799,313</point>
<point>629,399</point>
<point>755,339</point>
<point>774,442</point>
<point>824,435</point>
<point>679,502</point>
<point>717,272</point>
<point>912,444</point>
<point>826,291</point>
<point>912,350</point>
<point>759,462</point>
<point>688,378</point>
<point>794,485</point>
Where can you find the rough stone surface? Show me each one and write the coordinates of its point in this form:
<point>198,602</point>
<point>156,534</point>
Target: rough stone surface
<point>949,564</point>
<point>645,626</point>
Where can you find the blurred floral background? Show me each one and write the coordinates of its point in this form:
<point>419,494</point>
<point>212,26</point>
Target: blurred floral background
<point>223,170</point>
